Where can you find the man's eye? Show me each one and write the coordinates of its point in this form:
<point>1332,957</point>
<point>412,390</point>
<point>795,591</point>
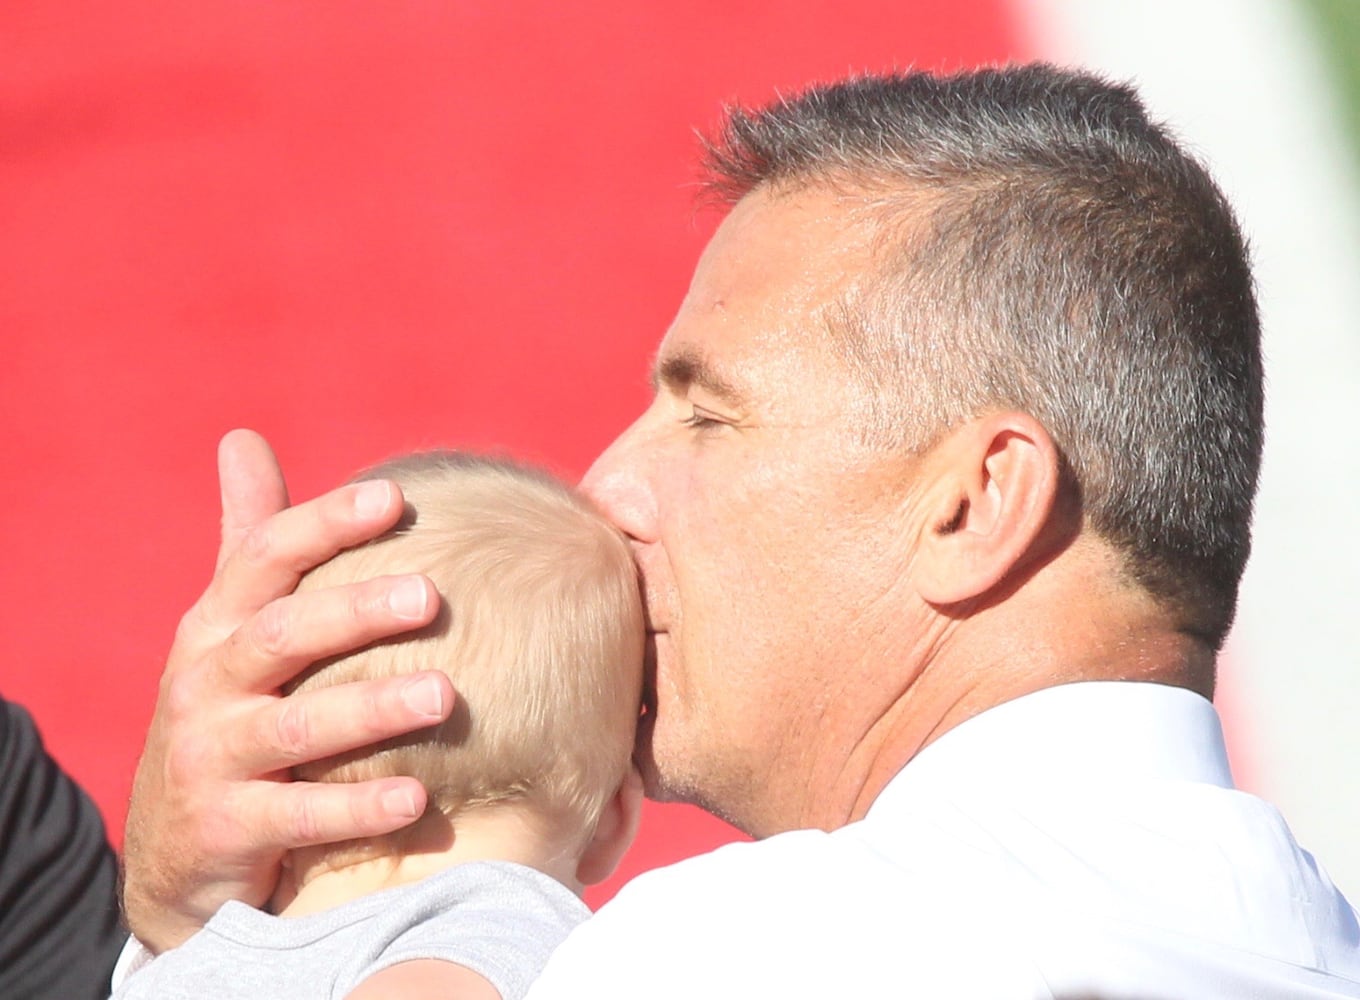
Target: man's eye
<point>702,419</point>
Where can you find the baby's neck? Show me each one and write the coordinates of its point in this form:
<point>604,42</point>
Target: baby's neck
<point>318,878</point>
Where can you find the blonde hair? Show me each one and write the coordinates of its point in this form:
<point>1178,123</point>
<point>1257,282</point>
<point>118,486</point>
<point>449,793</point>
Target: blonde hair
<point>541,632</point>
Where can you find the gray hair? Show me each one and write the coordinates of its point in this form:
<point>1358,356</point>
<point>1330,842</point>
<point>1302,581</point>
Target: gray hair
<point>1043,246</point>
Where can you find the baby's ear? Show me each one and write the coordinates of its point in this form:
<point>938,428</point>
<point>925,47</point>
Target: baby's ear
<point>614,832</point>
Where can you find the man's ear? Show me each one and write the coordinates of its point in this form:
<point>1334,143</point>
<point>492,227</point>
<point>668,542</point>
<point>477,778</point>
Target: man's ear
<point>994,488</point>
<point>614,832</point>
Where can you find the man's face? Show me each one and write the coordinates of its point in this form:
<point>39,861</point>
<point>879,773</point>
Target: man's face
<point>772,541</point>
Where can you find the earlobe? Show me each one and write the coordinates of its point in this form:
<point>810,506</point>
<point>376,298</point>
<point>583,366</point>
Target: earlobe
<point>614,832</point>
<point>997,486</point>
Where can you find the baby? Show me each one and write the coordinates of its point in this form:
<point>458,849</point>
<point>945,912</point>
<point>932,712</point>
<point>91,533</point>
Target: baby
<point>531,788</point>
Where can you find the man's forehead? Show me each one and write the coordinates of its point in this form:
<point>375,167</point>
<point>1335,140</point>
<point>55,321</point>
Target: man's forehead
<point>761,293</point>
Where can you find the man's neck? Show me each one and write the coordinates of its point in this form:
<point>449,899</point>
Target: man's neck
<point>1063,627</point>
<point>320,878</point>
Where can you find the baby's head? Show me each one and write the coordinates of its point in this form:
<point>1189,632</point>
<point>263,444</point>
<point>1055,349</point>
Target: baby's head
<point>541,632</point>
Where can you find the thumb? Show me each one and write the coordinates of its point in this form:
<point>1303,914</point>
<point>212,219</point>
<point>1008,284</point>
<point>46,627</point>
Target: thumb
<point>251,483</point>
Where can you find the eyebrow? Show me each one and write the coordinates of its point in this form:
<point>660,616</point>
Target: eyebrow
<point>679,371</point>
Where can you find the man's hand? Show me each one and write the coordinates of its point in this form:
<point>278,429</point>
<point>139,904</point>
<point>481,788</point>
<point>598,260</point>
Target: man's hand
<point>212,810</point>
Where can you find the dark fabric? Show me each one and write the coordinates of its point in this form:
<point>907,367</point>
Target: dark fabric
<point>59,925</point>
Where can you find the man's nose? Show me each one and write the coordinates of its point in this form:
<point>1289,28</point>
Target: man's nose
<point>620,483</point>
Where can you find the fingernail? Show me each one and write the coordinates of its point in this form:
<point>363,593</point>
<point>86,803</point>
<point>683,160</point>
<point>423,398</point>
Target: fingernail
<point>372,499</point>
<point>424,696</point>
<point>400,802</point>
<point>407,598</point>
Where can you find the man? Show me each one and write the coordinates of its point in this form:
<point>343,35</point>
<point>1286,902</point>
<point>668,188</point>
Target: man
<point>940,509</point>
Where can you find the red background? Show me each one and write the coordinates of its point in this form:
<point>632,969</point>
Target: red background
<point>360,228</point>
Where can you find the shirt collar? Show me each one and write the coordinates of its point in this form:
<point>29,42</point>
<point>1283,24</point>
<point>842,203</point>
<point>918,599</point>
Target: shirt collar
<point>1102,731</point>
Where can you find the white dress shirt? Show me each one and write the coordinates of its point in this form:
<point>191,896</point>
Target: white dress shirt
<point>1083,842</point>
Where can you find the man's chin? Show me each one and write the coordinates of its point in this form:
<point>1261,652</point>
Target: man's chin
<point>658,781</point>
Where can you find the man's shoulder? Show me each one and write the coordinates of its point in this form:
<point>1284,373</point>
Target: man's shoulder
<point>803,914</point>
<point>806,893</point>
<point>830,867</point>
<point>950,896</point>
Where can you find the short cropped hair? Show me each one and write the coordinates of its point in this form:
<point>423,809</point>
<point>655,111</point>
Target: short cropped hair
<point>1041,245</point>
<point>541,632</point>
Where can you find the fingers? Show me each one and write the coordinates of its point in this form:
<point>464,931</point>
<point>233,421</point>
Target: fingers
<point>303,814</point>
<point>272,555</point>
<point>238,833</point>
<point>209,820</point>
<point>311,725</point>
<point>294,631</point>
<point>251,484</point>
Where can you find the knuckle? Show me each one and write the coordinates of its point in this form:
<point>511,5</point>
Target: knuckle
<point>179,695</point>
<point>292,730</point>
<point>305,820</point>
<point>188,626</point>
<point>194,629</point>
<point>366,602</point>
<point>188,761</point>
<point>257,544</point>
<point>216,831</point>
<point>363,709</point>
<point>374,711</point>
<point>270,630</point>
